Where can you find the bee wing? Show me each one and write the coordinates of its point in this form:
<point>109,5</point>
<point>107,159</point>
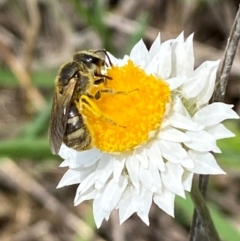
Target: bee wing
<point>59,116</point>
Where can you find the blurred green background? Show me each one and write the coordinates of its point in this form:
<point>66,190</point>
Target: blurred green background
<point>36,38</point>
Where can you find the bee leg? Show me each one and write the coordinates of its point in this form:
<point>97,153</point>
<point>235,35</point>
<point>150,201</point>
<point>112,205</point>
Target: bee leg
<point>101,80</point>
<point>86,103</point>
<point>98,94</point>
<point>102,75</point>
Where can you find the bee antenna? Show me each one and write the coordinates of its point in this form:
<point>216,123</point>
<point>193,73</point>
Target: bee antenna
<point>105,52</point>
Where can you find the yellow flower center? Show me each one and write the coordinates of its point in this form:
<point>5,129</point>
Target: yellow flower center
<point>132,107</point>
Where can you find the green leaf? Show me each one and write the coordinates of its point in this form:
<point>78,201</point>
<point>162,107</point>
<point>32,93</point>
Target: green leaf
<point>26,148</point>
<point>224,227</point>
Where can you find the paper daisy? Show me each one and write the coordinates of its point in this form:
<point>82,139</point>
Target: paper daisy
<point>162,131</point>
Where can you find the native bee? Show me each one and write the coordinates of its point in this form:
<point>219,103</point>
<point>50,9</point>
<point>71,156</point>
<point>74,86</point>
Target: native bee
<point>72,85</point>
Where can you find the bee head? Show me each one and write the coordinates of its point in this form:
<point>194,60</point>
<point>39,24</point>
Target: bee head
<point>89,59</point>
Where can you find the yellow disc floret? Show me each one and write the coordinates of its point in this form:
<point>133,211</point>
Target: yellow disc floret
<point>133,104</point>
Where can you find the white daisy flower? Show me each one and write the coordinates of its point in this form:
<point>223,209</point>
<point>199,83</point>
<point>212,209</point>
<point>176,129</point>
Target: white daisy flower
<point>164,132</point>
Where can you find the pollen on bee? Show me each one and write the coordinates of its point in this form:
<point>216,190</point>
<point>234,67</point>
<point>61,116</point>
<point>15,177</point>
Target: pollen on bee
<point>136,104</point>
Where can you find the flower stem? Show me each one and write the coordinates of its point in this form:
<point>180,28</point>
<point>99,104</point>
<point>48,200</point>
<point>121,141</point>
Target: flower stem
<point>196,221</point>
<point>217,97</point>
<point>228,59</point>
<point>202,215</point>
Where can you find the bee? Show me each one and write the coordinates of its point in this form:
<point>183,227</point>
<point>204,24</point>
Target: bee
<point>73,85</point>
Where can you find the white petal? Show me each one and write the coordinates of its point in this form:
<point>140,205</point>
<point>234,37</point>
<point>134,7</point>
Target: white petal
<point>133,166</point>
<point>189,53</point>
<point>180,38</point>
<point>214,113</point>
<point>98,212</point>
<point>119,164</point>
<point>90,194</point>
<point>187,162</point>
<point>175,82</point>
<point>182,65</point>
<point>139,54</point>
<point>65,163</point>
<point>88,158</point>
<point>142,203</point>
<point>124,61</point>
<point>195,82</point>
<point>172,178</point>
<point>107,216</point>
<point>152,67</point>
<point>201,82</point>
<point>201,141</point>
<point>103,170</point>
<point>205,163</point>
<point>171,134</point>
<point>82,158</point>
<point>165,201</point>
<point>179,121</point>
<point>206,94</point>
<point>162,62</point>
<point>187,180</point>
<point>175,153</point>
<point>65,152</point>
<point>74,176</point>
<point>178,56</point>
<point>169,151</point>
<point>150,178</point>
<point>86,183</point>
<point>70,177</point>
<point>126,209</point>
<point>113,193</point>
<point>155,156</point>
<point>219,132</point>
<point>155,47</point>
<point>141,155</point>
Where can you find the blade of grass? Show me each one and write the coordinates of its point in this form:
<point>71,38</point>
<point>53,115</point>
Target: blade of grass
<point>42,78</point>
<point>26,148</point>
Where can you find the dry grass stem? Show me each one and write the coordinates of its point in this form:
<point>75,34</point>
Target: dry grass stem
<point>15,65</point>
<point>26,183</point>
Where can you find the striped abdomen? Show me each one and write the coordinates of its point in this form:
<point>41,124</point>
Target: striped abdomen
<point>77,135</point>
